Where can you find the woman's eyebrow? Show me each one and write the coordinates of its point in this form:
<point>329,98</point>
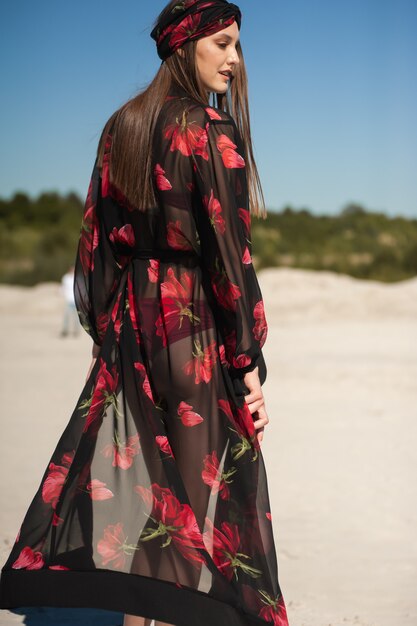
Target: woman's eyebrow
<point>227,37</point>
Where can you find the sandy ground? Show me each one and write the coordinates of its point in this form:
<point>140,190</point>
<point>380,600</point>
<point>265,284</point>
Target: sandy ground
<point>340,448</point>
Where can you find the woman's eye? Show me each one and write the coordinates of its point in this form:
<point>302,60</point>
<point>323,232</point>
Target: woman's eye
<point>223,45</point>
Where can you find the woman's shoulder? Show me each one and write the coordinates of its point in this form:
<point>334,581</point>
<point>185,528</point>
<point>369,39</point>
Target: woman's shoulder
<point>182,107</point>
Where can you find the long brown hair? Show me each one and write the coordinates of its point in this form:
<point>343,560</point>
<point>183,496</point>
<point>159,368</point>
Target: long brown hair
<point>132,127</point>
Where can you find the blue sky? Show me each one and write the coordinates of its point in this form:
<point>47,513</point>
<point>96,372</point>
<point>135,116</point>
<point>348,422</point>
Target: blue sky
<point>333,95</point>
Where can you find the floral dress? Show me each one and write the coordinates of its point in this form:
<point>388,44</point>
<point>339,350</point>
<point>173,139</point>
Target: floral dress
<point>155,500</point>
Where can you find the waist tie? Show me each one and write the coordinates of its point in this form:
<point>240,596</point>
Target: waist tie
<point>165,254</point>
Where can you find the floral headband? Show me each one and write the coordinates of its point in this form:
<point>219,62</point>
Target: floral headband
<point>190,20</point>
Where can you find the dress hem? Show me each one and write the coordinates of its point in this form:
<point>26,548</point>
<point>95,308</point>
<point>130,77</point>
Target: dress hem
<point>121,592</point>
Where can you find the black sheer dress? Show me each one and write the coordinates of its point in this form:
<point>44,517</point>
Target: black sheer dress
<point>155,500</point>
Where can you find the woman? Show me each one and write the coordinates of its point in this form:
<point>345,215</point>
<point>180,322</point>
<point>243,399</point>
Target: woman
<point>155,501</point>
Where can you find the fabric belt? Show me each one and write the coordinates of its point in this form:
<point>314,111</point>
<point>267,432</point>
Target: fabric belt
<point>165,254</point>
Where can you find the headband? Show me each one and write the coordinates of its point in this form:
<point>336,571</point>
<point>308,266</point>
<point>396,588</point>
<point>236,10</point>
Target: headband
<point>190,20</point>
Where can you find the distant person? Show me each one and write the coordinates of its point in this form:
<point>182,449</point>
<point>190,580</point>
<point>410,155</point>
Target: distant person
<point>71,319</point>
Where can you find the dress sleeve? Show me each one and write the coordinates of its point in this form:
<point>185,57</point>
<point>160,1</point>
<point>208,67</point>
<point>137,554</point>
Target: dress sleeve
<point>97,272</point>
<point>224,226</point>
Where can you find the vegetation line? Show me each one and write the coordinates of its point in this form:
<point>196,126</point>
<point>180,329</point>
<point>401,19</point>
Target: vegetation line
<point>38,240</point>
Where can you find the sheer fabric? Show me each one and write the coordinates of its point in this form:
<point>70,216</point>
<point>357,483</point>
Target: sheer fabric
<point>156,493</point>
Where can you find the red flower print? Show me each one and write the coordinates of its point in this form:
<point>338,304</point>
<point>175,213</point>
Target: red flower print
<point>58,567</point>
<point>246,258</point>
<point>162,36</point>
<point>125,235</point>
<point>213,114</point>
<point>214,210</point>
<point>98,490</point>
<point>113,548</point>
<point>226,292</point>
<point>116,317</point>
<point>102,322</point>
<point>187,27</point>
<point>201,147</point>
<point>153,270</point>
<point>244,215</point>
<point>269,516</point>
<point>223,545</point>
<point>163,444</point>
<point>102,396</point>
<point>260,330</point>
<point>247,431</point>
<point>172,288</point>
<point>222,355</point>
<point>225,143</point>
<point>162,183</point>
<point>29,559</point>
<point>107,187</point>
<point>176,238</point>
<point>242,360</point>
<point>146,385</point>
<point>187,415</point>
<point>68,457</point>
<point>123,452</point>
<point>242,422</point>
<point>89,236</point>
<point>55,479</point>
<point>176,301</point>
<point>184,136</point>
<point>218,481</point>
<point>231,159</point>
<point>275,611</point>
<point>202,363</point>
<point>262,603</point>
<point>56,520</point>
<point>172,519</point>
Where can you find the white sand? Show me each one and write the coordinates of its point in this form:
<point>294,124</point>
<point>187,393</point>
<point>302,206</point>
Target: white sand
<point>340,448</point>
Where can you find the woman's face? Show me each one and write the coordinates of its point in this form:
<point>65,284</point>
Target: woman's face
<point>217,58</point>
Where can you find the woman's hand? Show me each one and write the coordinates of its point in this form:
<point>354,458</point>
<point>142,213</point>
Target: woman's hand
<point>255,401</point>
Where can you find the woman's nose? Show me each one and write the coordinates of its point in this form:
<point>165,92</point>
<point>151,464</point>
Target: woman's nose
<point>234,57</point>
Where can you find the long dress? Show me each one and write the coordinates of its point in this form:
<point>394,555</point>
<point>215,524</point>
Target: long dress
<point>155,501</point>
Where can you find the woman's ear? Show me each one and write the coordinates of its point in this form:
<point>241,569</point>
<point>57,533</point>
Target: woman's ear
<point>180,52</point>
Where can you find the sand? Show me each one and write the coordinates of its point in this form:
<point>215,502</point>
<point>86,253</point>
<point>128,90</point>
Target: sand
<point>340,448</point>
